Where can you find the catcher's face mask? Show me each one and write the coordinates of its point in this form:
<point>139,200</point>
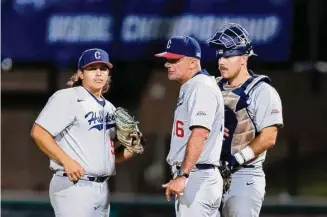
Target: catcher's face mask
<point>231,40</point>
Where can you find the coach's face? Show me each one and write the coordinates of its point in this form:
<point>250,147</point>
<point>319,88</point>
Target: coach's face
<point>95,76</point>
<point>178,68</point>
<point>230,67</point>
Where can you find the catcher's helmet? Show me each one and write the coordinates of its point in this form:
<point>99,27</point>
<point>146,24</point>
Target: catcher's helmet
<point>231,40</point>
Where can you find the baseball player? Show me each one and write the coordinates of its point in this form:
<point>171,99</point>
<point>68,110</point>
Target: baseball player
<point>75,130</point>
<point>197,132</point>
<point>253,115</point>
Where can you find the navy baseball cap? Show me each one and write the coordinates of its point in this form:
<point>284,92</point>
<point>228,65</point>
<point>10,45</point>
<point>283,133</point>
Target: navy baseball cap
<point>94,55</point>
<point>181,46</point>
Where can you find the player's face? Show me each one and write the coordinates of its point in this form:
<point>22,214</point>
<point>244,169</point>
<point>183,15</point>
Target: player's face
<point>95,76</point>
<point>177,68</point>
<point>230,67</point>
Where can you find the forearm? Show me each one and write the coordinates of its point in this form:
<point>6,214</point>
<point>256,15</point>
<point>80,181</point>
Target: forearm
<point>48,145</point>
<point>122,154</point>
<point>193,151</point>
<point>261,143</point>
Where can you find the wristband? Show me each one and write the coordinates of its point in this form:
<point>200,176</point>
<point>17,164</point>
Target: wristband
<point>245,155</point>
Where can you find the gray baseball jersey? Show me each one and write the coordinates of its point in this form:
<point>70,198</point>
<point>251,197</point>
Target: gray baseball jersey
<point>83,127</point>
<point>200,103</point>
<point>248,109</point>
<point>264,109</point>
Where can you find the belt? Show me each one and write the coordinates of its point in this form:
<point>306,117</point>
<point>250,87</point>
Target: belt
<point>248,166</point>
<point>201,166</point>
<point>87,178</point>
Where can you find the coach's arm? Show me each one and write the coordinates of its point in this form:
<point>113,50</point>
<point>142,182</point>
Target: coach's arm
<point>194,148</point>
<point>193,151</point>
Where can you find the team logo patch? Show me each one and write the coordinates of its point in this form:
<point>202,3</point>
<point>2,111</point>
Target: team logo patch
<point>274,111</point>
<point>201,113</point>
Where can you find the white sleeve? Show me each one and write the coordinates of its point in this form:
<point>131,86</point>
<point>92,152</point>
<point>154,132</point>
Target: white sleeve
<point>57,113</point>
<point>268,108</point>
<point>202,106</point>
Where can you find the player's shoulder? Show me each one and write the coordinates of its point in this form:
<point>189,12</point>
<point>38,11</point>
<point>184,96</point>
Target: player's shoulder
<point>264,89</point>
<point>66,92</point>
<point>203,81</point>
<point>203,85</point>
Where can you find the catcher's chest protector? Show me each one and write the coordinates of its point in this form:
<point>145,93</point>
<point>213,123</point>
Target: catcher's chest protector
<point>238,121</point>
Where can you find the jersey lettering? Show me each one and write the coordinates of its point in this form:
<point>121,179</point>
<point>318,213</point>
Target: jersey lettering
<point>96,120</point>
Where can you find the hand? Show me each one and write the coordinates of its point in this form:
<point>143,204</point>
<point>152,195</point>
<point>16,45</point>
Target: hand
<point>138,138</point>
<point>175,186</point>
<point>226,132</point>
<point>137,143</point>
<point>73,170</point>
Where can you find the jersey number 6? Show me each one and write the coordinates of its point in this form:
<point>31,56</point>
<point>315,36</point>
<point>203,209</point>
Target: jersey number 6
<point>112,146</point>
<point>179,130</point>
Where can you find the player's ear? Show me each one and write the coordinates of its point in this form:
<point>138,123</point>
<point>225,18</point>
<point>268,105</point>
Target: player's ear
<point>244,59</point>
<point>80,74</point>
<point>193,63</point>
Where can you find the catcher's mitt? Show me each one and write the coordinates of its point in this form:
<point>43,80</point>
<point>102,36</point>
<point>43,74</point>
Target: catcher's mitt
<point>226,173</point>
<point>128,133</point>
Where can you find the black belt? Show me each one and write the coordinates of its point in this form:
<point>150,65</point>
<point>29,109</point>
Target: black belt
<point>248,166</point>
<point>92,178</point>
<point>201,166</point>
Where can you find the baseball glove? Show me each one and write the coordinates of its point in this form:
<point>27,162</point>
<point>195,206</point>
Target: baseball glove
<point>226,173</point>
<point>128,133</point>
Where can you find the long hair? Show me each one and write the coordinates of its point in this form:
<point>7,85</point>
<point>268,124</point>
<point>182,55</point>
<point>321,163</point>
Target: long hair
<point>75,80</point>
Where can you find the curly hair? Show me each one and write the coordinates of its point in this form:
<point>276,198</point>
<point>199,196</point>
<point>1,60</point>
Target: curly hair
<point>75,81</point>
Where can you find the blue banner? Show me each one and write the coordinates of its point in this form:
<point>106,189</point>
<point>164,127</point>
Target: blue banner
<point>59,30</point>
